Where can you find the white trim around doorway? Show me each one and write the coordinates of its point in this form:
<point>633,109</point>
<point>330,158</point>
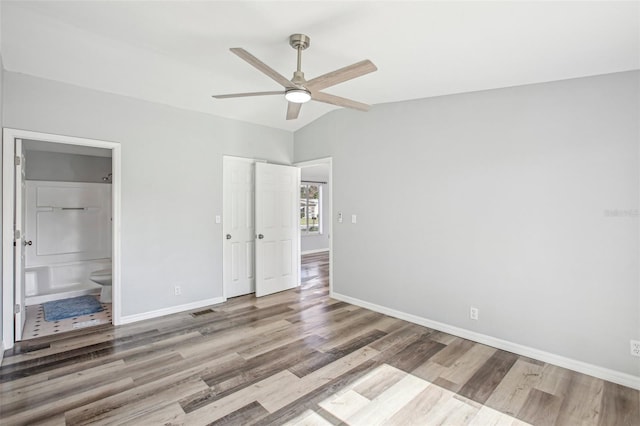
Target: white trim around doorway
<point>8,183</point>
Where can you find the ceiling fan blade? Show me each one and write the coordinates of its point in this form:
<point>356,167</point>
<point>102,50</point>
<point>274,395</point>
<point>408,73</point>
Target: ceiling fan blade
<point>244,95</point>
<point>293,110</point>
<point>339,76</point>
<point>262,67</point>
<point>337,100</point>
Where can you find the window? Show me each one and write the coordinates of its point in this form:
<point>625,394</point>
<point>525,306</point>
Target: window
<point>310,208</point>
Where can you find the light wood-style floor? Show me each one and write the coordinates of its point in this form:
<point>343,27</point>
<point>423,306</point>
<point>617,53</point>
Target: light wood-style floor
<point>297,357</point>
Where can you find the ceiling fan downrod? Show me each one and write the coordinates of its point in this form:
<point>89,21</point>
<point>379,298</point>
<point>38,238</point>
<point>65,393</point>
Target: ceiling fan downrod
<point>299,42</point>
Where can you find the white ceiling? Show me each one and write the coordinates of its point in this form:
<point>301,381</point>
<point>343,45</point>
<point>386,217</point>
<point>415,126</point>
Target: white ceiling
<point>176,52</point>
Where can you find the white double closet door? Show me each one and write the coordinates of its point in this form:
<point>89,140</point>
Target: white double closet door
<point>261,227</point>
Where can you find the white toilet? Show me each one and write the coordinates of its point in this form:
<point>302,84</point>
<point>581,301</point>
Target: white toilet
<point>103,277</point>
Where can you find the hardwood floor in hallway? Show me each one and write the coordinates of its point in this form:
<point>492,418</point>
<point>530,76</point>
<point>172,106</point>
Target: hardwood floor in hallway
<point>296,357</point>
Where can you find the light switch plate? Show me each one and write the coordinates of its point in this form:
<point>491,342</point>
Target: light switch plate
<point>218,219</point>
<point>354,218</point>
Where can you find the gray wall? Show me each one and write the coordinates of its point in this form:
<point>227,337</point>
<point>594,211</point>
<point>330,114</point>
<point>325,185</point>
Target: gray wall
<point>171,180</point>
<point>521,202</point>
<point>62,167</point>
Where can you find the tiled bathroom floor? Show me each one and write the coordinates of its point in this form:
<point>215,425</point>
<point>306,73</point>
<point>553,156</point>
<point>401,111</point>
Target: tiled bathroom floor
<point>36,326</point>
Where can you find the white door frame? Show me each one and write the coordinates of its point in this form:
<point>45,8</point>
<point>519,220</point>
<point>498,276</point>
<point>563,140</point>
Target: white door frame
<point>325,160</point>
<point>8,188</point>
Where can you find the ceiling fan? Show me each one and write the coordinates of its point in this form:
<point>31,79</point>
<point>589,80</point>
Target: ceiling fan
<point>298,90</point>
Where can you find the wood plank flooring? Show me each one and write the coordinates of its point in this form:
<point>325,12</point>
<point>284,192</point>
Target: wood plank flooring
<point>299,358</point>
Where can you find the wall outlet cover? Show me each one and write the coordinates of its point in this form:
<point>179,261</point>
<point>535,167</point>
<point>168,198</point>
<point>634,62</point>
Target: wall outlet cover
<point>635,348</point>
<point>473,313</point>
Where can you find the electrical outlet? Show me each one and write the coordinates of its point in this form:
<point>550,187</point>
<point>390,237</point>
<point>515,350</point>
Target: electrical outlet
<point>473,313</point>
<point>635,348</point>
<point>177,290</point>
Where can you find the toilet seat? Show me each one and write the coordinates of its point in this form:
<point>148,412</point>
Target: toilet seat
<point>103,276</point>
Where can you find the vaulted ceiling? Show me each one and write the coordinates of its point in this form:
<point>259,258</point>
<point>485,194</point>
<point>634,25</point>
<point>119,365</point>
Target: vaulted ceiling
<point>177,52</point>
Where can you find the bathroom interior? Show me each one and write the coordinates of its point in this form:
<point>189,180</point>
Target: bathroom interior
<point>68,236</point>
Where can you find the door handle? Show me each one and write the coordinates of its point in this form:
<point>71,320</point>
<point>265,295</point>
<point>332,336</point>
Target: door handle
<point>228,236</point>
<point>27,243</point>
<point>260,236</point>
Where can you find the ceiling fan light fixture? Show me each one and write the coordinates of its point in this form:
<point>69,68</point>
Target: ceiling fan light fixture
<point>298,96</point>
<point>296,91</point>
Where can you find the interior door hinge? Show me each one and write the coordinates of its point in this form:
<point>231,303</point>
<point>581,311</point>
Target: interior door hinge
<point>17,309</point>
<point>17,160</point>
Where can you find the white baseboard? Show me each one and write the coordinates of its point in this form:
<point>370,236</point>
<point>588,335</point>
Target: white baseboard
<point>171,310</point>
<point>314,251</point>
<point>1,352</point>
<point>561,361</point>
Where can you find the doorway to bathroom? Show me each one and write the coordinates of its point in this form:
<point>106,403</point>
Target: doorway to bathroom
<point>60,234</point>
